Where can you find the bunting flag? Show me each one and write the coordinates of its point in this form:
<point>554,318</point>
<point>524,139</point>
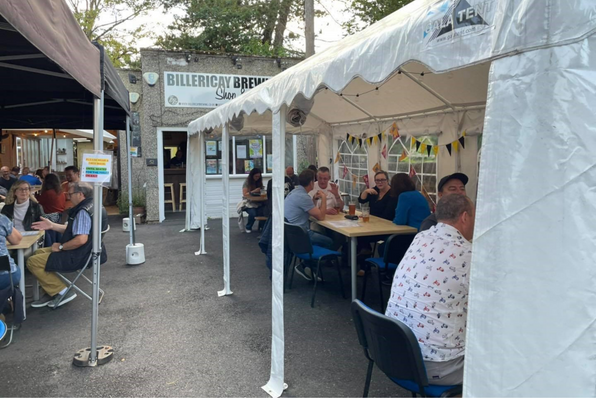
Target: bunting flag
<point>448,148</point>
<point>354,180</point>
<point>412,172</point>
<point>369,141</point>
<point>360,142</point>
<point>375,139</point>
<point>384,151</point>
<point>403,155</point>
<point>436,149</point>
<point>413,141</point>
<point>455,145</point>
<point>422,148</point>
<point>462,141</point>
<point>345,171</point>
<point>464,133</point>
<point>365,179</point>
<point>429,148</point>
<point>394,131</point>
<point>337,157</point>
<point>418,145</point>
<point>376,167</point>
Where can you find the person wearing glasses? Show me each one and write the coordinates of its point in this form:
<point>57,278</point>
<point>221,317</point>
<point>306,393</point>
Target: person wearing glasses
<point>21,208</point>
<point>73,250</point>
<point>382,204</point>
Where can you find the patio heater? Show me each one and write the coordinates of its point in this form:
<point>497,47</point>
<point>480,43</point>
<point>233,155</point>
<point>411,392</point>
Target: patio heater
<point>135,252</point>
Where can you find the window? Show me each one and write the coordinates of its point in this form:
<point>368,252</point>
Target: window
<point>355,159</point>
<point>424,165</point>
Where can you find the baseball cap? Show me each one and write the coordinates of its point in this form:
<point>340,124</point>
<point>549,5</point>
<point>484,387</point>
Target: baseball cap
<point>455,176</point>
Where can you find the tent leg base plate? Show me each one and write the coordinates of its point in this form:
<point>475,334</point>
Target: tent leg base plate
<point>105,354</point>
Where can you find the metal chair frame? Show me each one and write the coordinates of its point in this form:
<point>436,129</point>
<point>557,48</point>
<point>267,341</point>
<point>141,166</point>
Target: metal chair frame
<point>5,266</point>
<point>72,284</point>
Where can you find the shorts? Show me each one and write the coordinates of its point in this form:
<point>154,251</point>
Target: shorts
<point>448,373</point>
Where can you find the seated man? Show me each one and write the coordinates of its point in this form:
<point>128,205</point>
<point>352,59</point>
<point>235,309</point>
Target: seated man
<point>299,207</point>
<point>293,177</point>
<point>430,289</point>
<point>331,191</point>
<point>454,183</point>
<point>32,180</point>
<point>72,252</point>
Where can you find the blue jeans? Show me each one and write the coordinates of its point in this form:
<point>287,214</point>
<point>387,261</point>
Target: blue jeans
<point>5,279</point>
<point>320,240</point>
<point>252,213</point>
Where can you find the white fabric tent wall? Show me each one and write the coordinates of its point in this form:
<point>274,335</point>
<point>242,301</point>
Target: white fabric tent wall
<point>532,287</point>
<point>456,81</point>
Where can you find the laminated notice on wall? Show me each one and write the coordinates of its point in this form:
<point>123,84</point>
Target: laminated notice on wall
<point>96,167</point>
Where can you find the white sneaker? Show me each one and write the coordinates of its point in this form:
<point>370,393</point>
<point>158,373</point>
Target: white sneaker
<point>248,231</point>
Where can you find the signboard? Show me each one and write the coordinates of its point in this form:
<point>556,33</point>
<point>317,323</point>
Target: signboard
<point>96,167</point>
<point>135,134</point>
<point>205,90</point>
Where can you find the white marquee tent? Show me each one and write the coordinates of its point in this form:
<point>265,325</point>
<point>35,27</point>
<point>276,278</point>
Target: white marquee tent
<point>523,73</point>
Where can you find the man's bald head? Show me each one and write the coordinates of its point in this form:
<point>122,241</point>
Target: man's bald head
<point>5,172</point>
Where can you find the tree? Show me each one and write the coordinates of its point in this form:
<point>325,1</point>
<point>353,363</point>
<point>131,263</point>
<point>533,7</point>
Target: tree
<point>367,12</point>
<point>103,21</point>
<point>255,27</point>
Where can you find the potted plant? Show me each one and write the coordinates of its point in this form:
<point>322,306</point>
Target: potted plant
<point>138,200</point>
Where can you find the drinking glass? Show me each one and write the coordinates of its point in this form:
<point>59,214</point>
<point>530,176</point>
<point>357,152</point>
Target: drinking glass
<point>365,213</point>
<point>352,207</point>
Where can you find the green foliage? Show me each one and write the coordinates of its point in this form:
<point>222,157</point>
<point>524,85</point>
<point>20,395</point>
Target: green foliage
<point>367,12</point>
<point>103,20</point>
<point>138,199</point>
<point>252,27</point>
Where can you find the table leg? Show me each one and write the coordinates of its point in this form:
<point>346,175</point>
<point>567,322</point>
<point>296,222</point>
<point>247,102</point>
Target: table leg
<point>21,264</point>
<point>353,265</point>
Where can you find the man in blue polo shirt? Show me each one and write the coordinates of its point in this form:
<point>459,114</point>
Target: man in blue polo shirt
<point>299,207</point>
<point>29,178</point>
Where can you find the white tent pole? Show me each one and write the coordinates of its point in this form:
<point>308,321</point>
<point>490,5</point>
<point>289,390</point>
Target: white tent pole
<point>275,386</point>
<point>200,190</point>
<point>225,222</point>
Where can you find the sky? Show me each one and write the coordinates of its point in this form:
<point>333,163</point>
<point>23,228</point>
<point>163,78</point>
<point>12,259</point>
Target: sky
<point>327,29</point>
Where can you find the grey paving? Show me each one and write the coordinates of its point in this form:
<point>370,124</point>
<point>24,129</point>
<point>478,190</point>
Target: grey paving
<point>173,336</point>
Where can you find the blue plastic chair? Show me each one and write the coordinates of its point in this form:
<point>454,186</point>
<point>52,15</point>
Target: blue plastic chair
<point>393,347</point>
<point>298,242</point>
<point>3,329</point>
<point>394,250</point>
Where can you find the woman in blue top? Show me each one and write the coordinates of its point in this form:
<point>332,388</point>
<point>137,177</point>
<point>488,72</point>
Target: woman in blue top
<point>412,207</point>
<point>8,232</point>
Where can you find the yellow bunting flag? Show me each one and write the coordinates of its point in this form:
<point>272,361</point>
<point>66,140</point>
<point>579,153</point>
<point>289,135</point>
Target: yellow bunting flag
<point>394,130</point>
<point>403,156</point>
<point>376,167</point>
<point>455,145</point>
<point>463,134</point>
<point>337,157</point>
<point>422,148</point>
<point>413,142</point>
<point>354,180</point>
<point>436,149</point>
<point>375,139</point>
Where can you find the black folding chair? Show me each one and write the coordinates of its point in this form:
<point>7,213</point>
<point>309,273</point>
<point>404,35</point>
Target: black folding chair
<point>5,266</point>
<point>72,284</point>
<point>299,244</point>
<point>394,250</point>
<point>393,347</point>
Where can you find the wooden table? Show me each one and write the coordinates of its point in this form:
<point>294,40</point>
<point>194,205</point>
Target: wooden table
<point>260,198</point>
<point>26,243</point>
<point>376,226</point>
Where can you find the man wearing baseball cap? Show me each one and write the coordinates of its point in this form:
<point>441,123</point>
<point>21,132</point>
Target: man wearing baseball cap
<point>451,184</point>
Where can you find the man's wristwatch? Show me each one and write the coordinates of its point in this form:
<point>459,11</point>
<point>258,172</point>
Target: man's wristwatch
<point>60,247</point>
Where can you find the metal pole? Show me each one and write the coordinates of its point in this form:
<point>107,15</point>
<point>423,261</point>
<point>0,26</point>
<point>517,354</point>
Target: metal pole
<point>97,205</point>
<point>131,222</point>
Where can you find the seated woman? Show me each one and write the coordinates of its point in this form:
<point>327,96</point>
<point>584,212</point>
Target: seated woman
<point>51,197</point>
<point>412,207</point>
<point>20,208</point>
<point>382,204</point>
<point>10,234</point>
<point>253,185</point>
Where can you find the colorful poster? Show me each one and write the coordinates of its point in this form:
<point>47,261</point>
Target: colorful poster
<point>240,151</point>
<point>248,166</point>
<point>256,149</point>
<point>211,166</point>
<point>269,163</point>
<point>134,151</point>
<point>96,167</point>
<point>211,148</point>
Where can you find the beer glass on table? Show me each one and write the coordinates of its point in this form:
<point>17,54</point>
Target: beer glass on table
<point>365,213</point>
<point>352,207</point>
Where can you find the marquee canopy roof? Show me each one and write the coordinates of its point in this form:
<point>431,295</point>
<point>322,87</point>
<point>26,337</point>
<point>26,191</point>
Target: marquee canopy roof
<point>415,40</point>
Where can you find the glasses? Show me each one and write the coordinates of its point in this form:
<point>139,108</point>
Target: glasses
<point>23,190</point>
<point>383,180</point>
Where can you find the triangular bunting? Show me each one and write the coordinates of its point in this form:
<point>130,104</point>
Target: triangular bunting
<point>384,151</point>
<point>422,148</point>
<point>345,171</point>
<point>462,141</point>
<point>369,141</point>
<point>463,134</point>
<point>403,155</point>
<point>337,157</point>
<point>412,142</point>
<point>436,149</point>
<point>455,145</point>
<point>429,148</point>
<point>448,148</point>
<point>418,143</point>
<point>394,131</point>
<point>348,137</point>
<point>354,180</point>
<point>365,179</point>
<point>376,167</point>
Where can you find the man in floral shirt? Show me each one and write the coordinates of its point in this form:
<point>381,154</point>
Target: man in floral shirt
<point>430,289</point>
